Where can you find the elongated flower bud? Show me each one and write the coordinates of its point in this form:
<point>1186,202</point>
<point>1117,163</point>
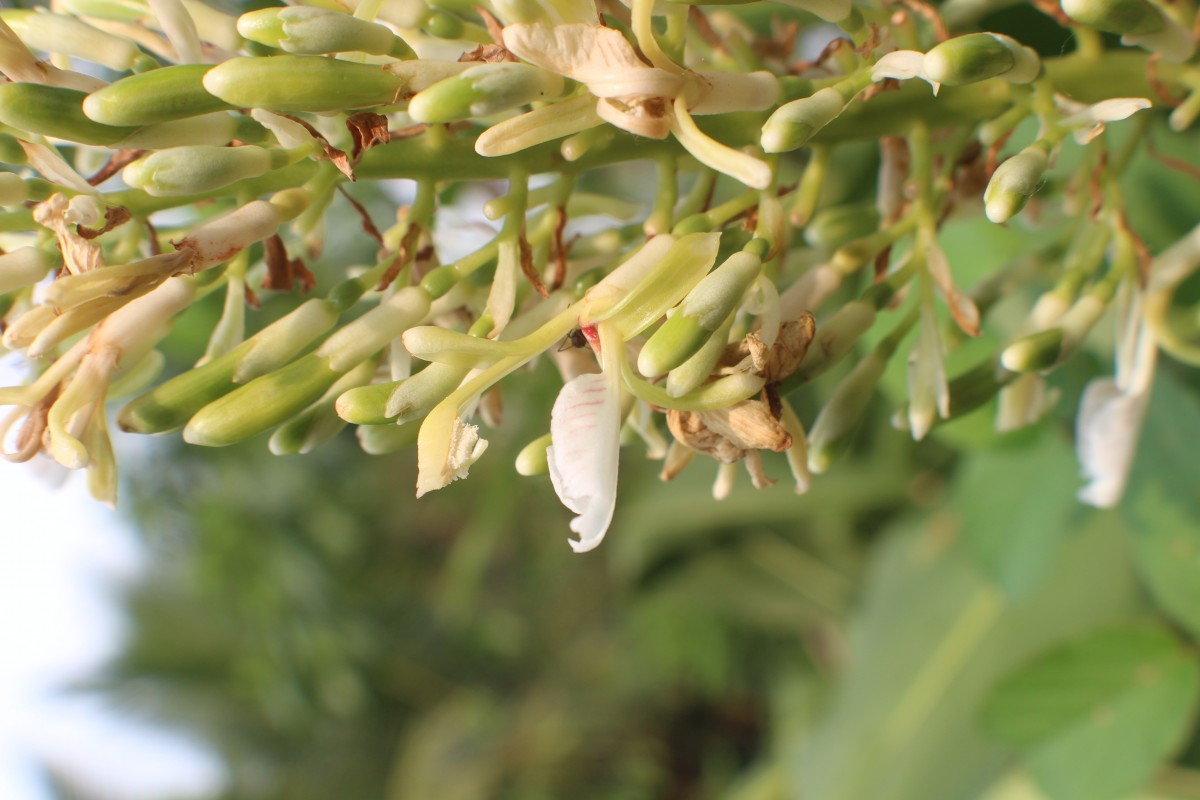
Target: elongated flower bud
<point>835,338</point>
<point>835,227</point>
<point>401,401</point>
<point>219,239</point>
<point>59,33</point>
<point>318,423</point>
<point>261,404</point>
<point>979,56</point>
<point>171,404</point>
<point>301,83</point>
<point>700,314</point>
<point>664,284</point>
<point>379,440</point>
<point>484,90</point>
<point>274,398</point>
<point>1049,348</point>
<point>160,95</point>
<point>54,111</point>
<point>839,418</point>
<point>191,170</point>
<point>13,189</point>
<point>1013,183</point>
<point>1116,16</point>
<point>794,123</point>
<point>313,31</point>
<point>23,267</point>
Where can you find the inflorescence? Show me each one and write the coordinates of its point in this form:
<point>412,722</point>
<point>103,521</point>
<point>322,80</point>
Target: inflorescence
<point>213,146</point>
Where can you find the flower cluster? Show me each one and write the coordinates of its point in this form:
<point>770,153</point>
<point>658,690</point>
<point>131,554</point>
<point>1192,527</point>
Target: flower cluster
<point>215,146</point>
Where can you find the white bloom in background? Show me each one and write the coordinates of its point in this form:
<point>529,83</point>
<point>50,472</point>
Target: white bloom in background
<point>1111,412</point>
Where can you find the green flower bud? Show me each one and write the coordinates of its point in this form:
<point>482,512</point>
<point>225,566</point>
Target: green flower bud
<point>1116,16</point>
<point>1035,352</point>
<point>301,83</point>
<point>669,278</point>
<point>304,30</point>
<point>699,315</point>
<point>379,440</point>
<point>440,280</point>
<point>216,129</point>
<point>261,404</point>
<point>401,401</point>
<point>171,404</point>
<point>978,56</point>
<point>484,90</point>
<point>838,420</point>
<point>22,267</point>
<point>1013,183</point>
<point>318,423</point>
<point>59,33</point>
<point>160,95</point>
<point>369,333</point>
<point>532,459</point>
<point>834,339</point>
<point>794,123</point>
<point>120,10</point>
<point>54,111</point>
<point>1047,349</point>
<point>692,373</point>
<point>13,189</point>
<point>191,170</point>
<point>835,227</point>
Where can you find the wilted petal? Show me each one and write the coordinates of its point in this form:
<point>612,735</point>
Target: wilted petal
<point>585,428</point>
<point>1107,430</point>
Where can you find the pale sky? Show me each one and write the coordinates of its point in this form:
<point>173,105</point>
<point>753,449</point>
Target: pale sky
<point>64,553</point>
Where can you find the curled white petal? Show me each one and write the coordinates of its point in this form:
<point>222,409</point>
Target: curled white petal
<point>585,429</point>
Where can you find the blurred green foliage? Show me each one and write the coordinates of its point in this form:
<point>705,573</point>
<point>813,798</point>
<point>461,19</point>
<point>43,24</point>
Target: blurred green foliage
<point>932,622</point>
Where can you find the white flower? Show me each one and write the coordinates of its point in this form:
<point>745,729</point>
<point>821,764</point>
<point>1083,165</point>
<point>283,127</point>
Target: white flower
<point>585,434</point>
<point>652,101</point>
<point>1111,412</point>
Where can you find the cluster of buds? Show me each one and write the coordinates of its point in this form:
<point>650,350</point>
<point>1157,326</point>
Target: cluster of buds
<point>216,146</point>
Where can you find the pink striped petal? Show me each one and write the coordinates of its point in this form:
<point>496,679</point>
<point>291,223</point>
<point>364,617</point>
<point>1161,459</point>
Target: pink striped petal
<point>585,429</point>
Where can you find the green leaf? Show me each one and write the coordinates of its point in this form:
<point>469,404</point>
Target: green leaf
<point>1016,505</point>
<point>1095,718</point>
<point>1163,503</point>
<point>931,637</point>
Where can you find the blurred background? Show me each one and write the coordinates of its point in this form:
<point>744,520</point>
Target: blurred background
<point>260,628</point>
